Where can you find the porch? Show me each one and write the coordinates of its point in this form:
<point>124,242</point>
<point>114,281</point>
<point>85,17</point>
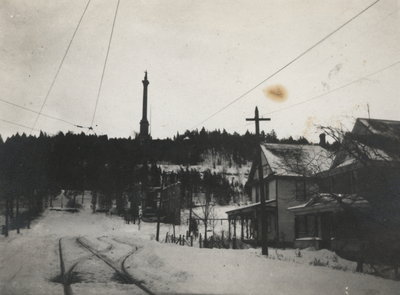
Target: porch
<point>316,220</point>
<point>245,222</point>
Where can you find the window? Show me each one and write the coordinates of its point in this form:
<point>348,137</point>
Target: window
<point>301,226</point>
<point>306,226</point>
<point>266,190</point>
<point>257,188</point>
<point>301,190</point>
<point>311,226</point>
<point>269,223</point>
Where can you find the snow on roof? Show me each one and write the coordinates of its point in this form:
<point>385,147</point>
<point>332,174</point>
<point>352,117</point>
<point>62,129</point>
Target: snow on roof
<point>296,159</point>
<point>370,140</point>
<point>371,153</point>
<point>387,128</point>
<point>241,208</point>
<point>327,200</point>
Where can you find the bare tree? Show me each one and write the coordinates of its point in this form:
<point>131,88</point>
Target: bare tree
<point>207,214</point>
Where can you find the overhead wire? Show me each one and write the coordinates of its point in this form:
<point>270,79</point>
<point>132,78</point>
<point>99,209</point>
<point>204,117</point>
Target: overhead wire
<point>104,67</point>
<point>328,92</point>
<point>18,124</point>
<point>37,112</point>
<point>335,89</point>
<point>287,64</point>
<point>60,66</point>
<point>376,24</point>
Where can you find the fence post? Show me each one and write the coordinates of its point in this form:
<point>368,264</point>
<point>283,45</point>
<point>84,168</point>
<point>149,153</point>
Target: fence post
<point>191,241</point>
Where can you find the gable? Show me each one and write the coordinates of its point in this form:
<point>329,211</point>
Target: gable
<point>253,175</point>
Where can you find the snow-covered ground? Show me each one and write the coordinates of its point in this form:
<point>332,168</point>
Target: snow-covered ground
<point>30,263</point>
<point>216,162</point>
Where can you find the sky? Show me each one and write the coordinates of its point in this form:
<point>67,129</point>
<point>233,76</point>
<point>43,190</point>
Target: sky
<point>200,56</point>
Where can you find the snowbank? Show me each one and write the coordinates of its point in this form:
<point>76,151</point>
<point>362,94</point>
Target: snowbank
<point>169,268</point>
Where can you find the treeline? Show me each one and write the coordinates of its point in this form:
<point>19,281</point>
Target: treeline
<point>79,161</point>
<point>35,168</point>
<point>189,147</point>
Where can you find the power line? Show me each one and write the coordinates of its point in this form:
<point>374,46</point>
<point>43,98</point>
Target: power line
<point>59,67</point>
<point>286,65</point>
<point>326,93</point>
<point>376,24</point>
<point>104,66</point>
<point>19,125</point>
<point>335,89</point>
<point>37,112</point>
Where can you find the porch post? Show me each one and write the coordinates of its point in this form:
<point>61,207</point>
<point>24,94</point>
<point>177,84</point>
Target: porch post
<point>234,227</point>
<point>229,222</point>
<point>247,228</point>
<point>242,229</point>
<point>234,246</point>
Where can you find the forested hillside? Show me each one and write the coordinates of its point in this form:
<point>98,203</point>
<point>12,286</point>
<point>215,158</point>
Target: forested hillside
<point>32,168</point>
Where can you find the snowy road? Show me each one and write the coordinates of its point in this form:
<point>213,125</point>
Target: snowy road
<point>68,253</point>
<point>103,255</point>
<point>98,261</point>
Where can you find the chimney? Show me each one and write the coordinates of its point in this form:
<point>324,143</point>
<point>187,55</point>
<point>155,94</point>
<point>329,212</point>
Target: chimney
<point>322,139</point>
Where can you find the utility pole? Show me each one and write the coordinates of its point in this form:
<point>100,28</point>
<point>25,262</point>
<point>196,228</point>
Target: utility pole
<point>159,211</point>
<point>190,206</point>
<point>264,232</point>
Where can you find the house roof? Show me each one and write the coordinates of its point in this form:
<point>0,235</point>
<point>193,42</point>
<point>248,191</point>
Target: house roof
<point>330,202</point>
<point>386,128</point>
<point>250,208</point>
<point>370,140</point>
<point>296,159</point>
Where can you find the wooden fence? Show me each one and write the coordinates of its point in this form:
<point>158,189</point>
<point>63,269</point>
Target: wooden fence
<point>214,241</point>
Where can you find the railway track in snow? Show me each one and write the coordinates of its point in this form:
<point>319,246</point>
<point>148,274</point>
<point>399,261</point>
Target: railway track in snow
<point>118,268</point>
<point>64,277</point>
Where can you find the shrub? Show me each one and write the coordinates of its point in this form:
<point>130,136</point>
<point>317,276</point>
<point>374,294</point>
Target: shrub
<point>318,262</point>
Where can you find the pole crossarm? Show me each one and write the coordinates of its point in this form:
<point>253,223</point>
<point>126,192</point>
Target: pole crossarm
<point>259,119</point>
